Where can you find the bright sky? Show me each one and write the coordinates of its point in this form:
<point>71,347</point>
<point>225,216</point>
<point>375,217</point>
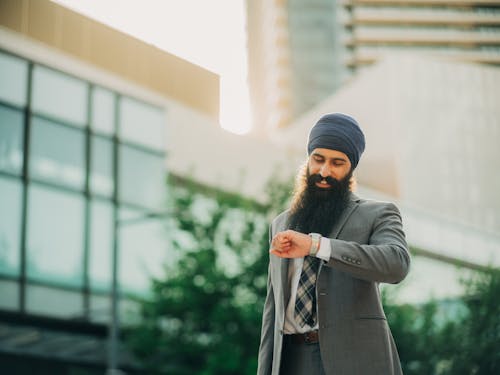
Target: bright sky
<point>208,33</point>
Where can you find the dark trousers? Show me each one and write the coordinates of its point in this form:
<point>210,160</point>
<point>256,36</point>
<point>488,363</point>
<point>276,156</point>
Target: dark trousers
<point>300,359</point>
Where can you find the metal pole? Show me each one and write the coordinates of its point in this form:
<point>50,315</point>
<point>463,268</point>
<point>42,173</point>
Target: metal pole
<point>114,323</point>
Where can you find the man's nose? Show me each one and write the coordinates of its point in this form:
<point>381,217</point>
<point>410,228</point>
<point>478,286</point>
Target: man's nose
<point>324,171</point>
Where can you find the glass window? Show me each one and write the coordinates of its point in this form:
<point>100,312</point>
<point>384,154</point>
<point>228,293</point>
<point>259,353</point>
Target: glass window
<point>100,308</point>
<point>101,245</point>
<point>142,124</point>
<point>11,140</point>
<point>10,224</point>
<point>142,178</point>
<point>59,95</point>
<point>14,77</point>
<point>57,153</point>
<point>143,245</point>
<point>101,172</point>
<point>103,111</point>
<point>55,236</point>
<point>9,290</point>
<point>54,302</point>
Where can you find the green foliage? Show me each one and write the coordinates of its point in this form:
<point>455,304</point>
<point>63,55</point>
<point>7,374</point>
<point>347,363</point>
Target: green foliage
<point>460,337</point>
<point>419,332</point>
<point>477,335</point>
<point>204,315</point>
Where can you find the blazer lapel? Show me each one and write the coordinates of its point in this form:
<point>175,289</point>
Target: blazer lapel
<point>351,206</point>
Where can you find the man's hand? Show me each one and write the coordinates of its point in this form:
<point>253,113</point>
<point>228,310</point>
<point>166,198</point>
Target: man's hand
<point>290,244</point>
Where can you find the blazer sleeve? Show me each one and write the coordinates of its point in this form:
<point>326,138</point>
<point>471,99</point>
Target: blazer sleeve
<point>381,254</point>
<point>265,358</point>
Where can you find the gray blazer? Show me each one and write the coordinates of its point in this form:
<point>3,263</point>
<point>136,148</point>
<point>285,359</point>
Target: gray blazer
<point>368,247</point>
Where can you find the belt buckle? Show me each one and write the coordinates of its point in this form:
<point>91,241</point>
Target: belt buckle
<point>307,337</point>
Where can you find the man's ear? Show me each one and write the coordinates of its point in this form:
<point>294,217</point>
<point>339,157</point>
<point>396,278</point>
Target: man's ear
<point>353,184</point>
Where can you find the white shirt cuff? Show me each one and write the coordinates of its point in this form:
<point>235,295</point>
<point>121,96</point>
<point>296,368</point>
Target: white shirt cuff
<point>325,251</point>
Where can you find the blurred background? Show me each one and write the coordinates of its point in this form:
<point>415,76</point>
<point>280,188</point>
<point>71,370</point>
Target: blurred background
<point>145,146</point>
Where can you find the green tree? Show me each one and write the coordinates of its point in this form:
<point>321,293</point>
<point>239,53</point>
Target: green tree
<point>477,334</point>
<point>203,316</point>
<point>460,337</point>
<point>421,333</point>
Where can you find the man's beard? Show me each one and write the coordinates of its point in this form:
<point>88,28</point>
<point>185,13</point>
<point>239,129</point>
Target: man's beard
<point>317,210</point>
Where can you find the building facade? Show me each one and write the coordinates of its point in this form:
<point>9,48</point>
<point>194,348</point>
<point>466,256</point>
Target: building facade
<point>293,49</point>
<point>85,113</point>
<point>269,68</point>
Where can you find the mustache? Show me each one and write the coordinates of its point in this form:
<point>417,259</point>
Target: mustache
<point>314,178</point>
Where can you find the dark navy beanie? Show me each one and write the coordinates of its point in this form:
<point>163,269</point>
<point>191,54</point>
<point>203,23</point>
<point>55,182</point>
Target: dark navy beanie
<point>340,132</point>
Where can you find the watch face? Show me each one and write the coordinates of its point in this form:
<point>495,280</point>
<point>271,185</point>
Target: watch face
<point>315,242</point>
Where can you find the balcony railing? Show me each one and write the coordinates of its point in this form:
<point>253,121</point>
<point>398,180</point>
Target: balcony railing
<point>412,3</point>
<point>442,19</point>
<point>417,38</point>
<point>363,58</point>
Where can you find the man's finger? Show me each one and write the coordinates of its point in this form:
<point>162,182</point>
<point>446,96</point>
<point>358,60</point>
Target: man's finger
<point>279,253</point>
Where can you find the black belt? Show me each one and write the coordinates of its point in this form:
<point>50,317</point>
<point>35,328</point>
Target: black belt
<point>303,338</point>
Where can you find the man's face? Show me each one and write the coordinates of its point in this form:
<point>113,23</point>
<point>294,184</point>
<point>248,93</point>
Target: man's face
<point>328,163</point>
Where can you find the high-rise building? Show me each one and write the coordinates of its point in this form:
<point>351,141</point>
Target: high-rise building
<point>301,52</point>
<point>293,49</point>
<point>269,65</point>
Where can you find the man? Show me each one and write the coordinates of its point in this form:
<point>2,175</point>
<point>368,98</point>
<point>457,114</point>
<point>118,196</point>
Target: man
<point>329,252</point>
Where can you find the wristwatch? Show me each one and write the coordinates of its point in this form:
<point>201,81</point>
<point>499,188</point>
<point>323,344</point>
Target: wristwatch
<point>315,243</point>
